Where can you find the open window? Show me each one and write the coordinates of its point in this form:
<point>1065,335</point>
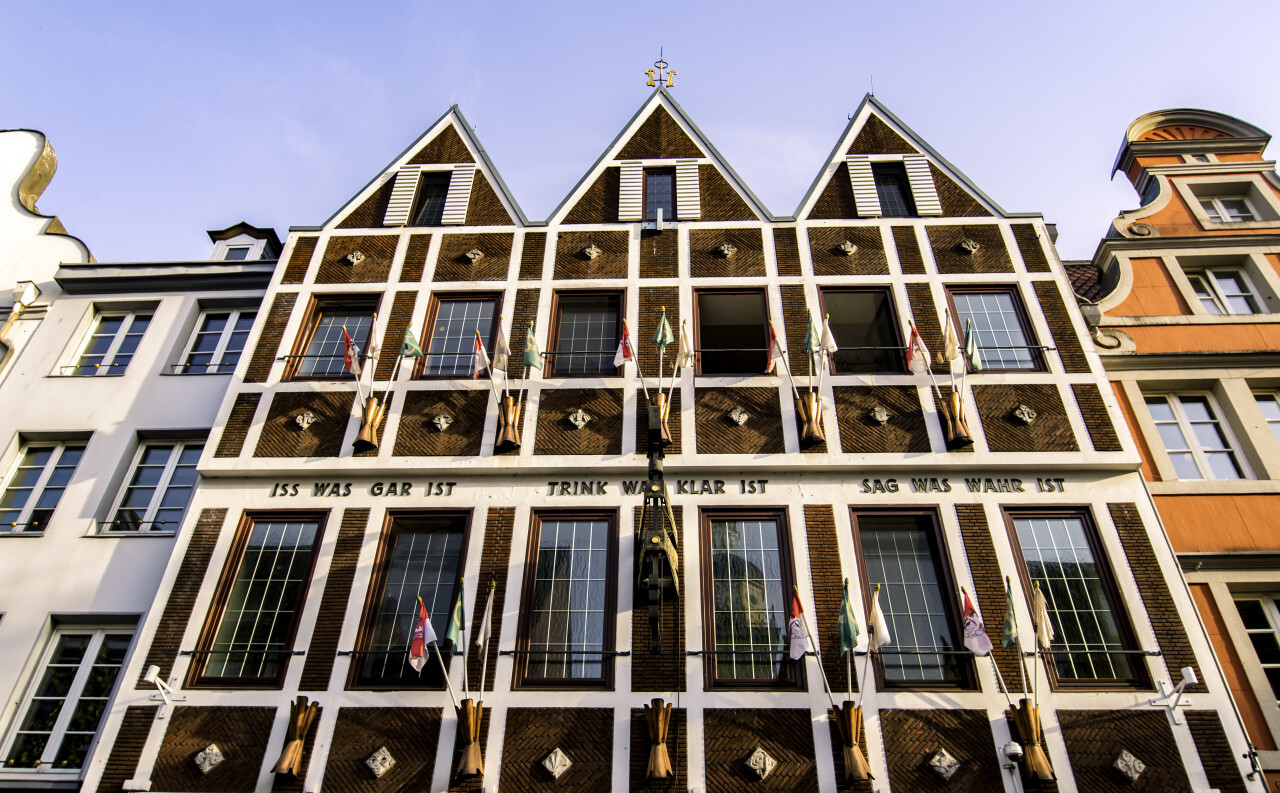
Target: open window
<point>733,332</point>
<point>319,352</point>
<point>452,323</point>
<point>865,327</point>
<point>587,327</point>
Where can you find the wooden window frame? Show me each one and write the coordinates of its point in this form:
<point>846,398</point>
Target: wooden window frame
<point>763,292</point>
<point>1141,681</point>
<point>644,193</point>
<point>895,321</point>
<point>794,676</point>
<point>195,674</point>
<point>899,169</point>
<point>950,590</point>
<point>377,587</point>
<point>1024,319</point>
<point>433,312</point>
<point>605,682</point>
<point>419,196</point>
<point>553,342</point>
<point>311,320</point>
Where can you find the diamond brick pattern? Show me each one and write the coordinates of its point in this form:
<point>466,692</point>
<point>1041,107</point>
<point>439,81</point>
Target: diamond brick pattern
<point>410,735</point>
<point>126,749</point>
<point>602,435</point>
<point>453,263</point>
<point>236,427</point>
<point>264,355</point>
<point>905,431</point>
<point>731,736</point>
<point>417,436</point>
<point>1095,737</point>
<point>585,734</point>
<point>911,736</point>
<point>241,735</point>
<point>1050,432</point>
<point>706,260</point>
<point>342,568</point>
<point>374,268</point>
<point>664,672</point>
<point>571,263</point>
<point>295,271</point>
<point>761,434</point>
<point>992,257</point>
<point>281,435</point>
<point>828,259</point>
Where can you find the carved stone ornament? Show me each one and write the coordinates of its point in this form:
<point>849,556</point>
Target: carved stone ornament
<point>943,765</point>
<point>591,251</point>
<point>305,419</point>
<point>1141,229</point>
<point>556,763</point>
<point>209,758</point>
<point>355,257</point>
<point>847,248</point>
<point>1024,414</point>
<point>969,246</point>
<point>738,415</point>
<point>726,250</point>
<point>761,762</point>
<point>442,421</point>
<point>475,255</point>
<point>879,414</point>
<point>579,418</point>
<point>380,762</point>
<point>1129,766</point>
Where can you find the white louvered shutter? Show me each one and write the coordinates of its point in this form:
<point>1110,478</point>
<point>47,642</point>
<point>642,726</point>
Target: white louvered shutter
<point>402,195</point>
<point>864,186</point>
<point>688,199</point>
<point>923,191</point>
<point>459,195</point>
<point>631,192</point>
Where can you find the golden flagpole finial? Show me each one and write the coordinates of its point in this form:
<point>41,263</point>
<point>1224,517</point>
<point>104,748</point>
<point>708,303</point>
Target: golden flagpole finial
<point>660,75</point>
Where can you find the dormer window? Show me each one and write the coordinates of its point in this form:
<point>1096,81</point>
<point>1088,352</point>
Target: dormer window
<point>431,197</point>
<point>237,253</point>
<point>893,185</point>
<point>893,190</point>
<point>660,193</point>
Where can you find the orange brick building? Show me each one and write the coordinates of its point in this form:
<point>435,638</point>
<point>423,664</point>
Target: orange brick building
<point>1182,298</point>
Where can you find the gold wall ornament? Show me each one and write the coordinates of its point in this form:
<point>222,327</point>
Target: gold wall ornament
<point>355,257</point>
<point>471,763</point>
<point>508,425</point>
<point>579,418</point>
<point>660,74</point>
<point>367,439</point>
<point>738,415</point>
<point>809,408</point>
<point>305,419</point>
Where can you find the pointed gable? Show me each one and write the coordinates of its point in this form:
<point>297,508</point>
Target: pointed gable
<point>659,138</point>
<point>876,138</point>
<point>443,149</point>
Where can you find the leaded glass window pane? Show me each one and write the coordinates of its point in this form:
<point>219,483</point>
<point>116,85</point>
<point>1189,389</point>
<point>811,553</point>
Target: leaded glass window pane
<point>660,193</point>
<point>1003,341</point>
<point>588,334</point>
<point>750,615</point>
<point>324,355</point>
<point>893,190</point>
<point>567,614</point>
<point>453,337</point>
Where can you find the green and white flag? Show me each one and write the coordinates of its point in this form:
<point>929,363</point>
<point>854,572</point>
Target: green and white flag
<point>848,625</point>
<point>409,347</point>
<point>663,336</point>
<point>971,353</point>
<point>1010,635</point>
<point>532,356</point>
<point>456,620</point>
<point>812,341</point>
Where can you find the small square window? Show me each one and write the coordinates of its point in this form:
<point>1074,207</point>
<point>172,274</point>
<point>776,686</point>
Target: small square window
<point>451,335</point>
<point>893,189</point>
<point>866,330</point>
<point>660,193</point>
<point>733,332</point>
<point>1228,209</point>
<point>432,192</point>
<point>218,341</point>
<point>1003,333</point>
<point>159,488</point>
<point>110,345</point>
<point>1225,290</point>
<point>36,485</point>
<point>1197,441</point>
<point>587,328</point>
<point>322,352</point>
<point>237,253</point>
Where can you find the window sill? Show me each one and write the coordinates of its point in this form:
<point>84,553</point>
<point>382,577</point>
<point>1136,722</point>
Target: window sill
<point>120,535</point>
<point>16,534</point>
<point>196,374</point>
<point>1239,225</point>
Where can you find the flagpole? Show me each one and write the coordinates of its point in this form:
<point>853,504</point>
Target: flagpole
<point>1022,662</point>
<point>675,366</point>
<point>492,385</point>
<point>395,370</point>
<point>373,376</point>
<point>787,365</point>
<point>356,360</point>
<point>848,670</point>
<point>484,666</point>
<point>448,685</point>
<point>506,380</point>
<point>804,621</point>
<point>862,687</point>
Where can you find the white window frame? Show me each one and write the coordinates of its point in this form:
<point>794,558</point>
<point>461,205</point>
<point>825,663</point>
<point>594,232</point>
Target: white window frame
<point>1184,426</point>
<point>37,490</point>
<point>1223,216</point>
<point>1272,613</point>
<point>1206,276</point>
<point>161,486</point>
<point>1272,424</point>
<point>1255,190</point>
<point>47,770</point>
<point>215,365</point>
<point>104,369</point>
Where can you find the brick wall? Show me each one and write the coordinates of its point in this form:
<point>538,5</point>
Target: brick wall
<point>876,137</point>
<point>535,247</point>
<point>241,734</point>
<point>1216,757</point>
<point>732,734</point>
<point>601,435</point>
<point>673,422</point>
<point>295,271</point>
<point>991,257</point>
<point>1029,246</point>
<point>828,259</point>
<point>720,202</point>
<point>956,201</point>
<point>415,259</point>
<point>659,138</point>
<point>905,430</point>
<point>665,671</point>
<point>659,254</point>
<point>836,201</point>
<point>828,590</point>
<point>1096,418</point>
<point>794,315</point>
<point>453,263</point>
<point>652,300</point>
<point>417,436</point>
<point>369,214</point>
<point>572,263</point>
<point>237,425</point>
<point>485,208</point>
<point>909,256</point>
<point>1064,334</point>
<point>837,756</point>
<point>925,313</point>
<point>762,434</point>
<point>1094,739</point>
<point>706,261</point>
<point>444,149</point>
<point>401,312</point>
<point>283,437</point>
<point>264,355</point>
<point>523,314</point>
<point>374,268</point>
<point>182,596</point>
<point>599,204</point>
<point>126,749</point>
<point>988,587</point>
<point>288,783</point>
<point>787,249</point>
<point>584,734</point>
<point>410,735</point>
<point>471,784</point>
<point>910,736</point>
<point>494,561</point>
<point>1049,432</point>
<point>333,604</point>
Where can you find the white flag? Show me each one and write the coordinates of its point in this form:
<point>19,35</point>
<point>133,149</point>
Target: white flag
<point>486,623</point>
<point>501,352</point>
<point>1040,616</point>
<point>951,343</point>
<point>877,631</point>
<point>686,348</point>
<point>481,358</point>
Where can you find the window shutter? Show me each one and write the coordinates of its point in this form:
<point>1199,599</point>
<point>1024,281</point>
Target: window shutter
<point>864,185</point>
<point>688,200</point>
<point>631,192</point>
<point>923,191</point>
<point>459,195</point>
<point>402,195</point>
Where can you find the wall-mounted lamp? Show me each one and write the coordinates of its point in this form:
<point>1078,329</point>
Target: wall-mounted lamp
<point>1171,698</point>
<point>167,693</point>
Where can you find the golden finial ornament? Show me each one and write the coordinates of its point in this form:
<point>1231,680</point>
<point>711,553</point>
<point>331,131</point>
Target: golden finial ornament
<point>660,75</point>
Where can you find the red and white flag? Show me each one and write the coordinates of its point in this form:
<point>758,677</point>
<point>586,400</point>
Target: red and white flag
<point>481,357</point>
<point>975,633</point>
<point>423,634</point>
<point>799,639</point>
<point>775,350</point>
<point>917,353</point>
<point>350,355</point>
<point>625,351</point>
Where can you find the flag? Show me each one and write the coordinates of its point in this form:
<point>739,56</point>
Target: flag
<point>456,618</point>
<point>951,343</point>
<point>1040,616</point>
<point>917,353</point>
<point>811,340</point>
<point>1010,635</point>
<point>828,343</point>
<point>848,625</point>
<point>501,351</point>
<point>409,347</point>
<point>877,631</point>
<point>775,350</point>
<point>423,634</point>
<point>532,356</point>
<point>971,353</point>
<point>686,348</point>
<point>663,335</point>
<point>625,351</point>
<point>486,622</point>
<point>481,357</point>
<point>372,349</point>
<point>350,355</point>
<point>799,642</point>
<point>975,633</point>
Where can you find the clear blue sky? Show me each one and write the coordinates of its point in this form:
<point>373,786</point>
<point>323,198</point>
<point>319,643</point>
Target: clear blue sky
<point>172,118</point>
